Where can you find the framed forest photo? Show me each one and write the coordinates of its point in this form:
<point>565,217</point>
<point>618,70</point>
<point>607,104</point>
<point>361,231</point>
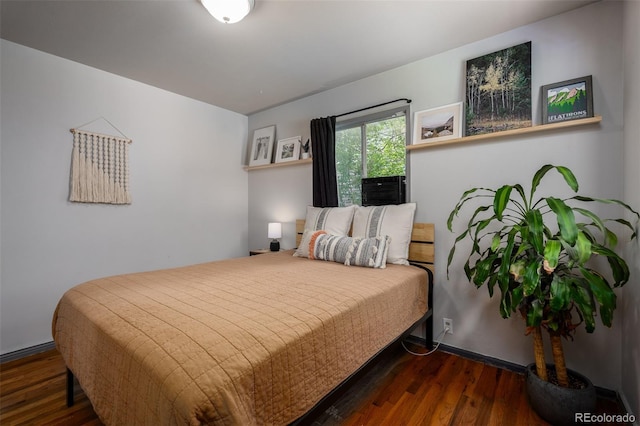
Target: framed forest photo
<point>498,93</point>
<point>567,100</point>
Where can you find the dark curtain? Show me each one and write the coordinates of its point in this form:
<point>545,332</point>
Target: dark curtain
<point>323,148</point>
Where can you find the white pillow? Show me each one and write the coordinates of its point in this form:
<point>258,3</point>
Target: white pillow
<point>334,220</point>
<point>396,221</point>
<point>303,247</point>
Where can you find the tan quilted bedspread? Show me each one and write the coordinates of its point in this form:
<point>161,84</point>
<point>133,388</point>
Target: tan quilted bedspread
<point>255,340</point>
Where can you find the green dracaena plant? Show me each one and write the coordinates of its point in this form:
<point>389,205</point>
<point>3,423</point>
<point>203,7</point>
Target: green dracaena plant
<point>538,254</point>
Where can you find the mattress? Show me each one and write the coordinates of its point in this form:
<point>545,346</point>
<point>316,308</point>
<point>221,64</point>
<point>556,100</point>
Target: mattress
<point>254,340</point>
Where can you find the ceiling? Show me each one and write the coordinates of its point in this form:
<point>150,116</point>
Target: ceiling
<point>284,50</point>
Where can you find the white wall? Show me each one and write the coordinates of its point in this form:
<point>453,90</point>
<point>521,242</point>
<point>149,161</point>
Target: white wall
<point>582,42</point>
<point>189,190</point>
<point>630,368</point>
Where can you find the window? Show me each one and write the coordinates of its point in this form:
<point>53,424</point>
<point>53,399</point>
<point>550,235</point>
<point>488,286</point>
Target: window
<point>370,146</point>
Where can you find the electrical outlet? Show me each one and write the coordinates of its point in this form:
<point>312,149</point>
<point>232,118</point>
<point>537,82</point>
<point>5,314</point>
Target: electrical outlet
<point>447,323</point>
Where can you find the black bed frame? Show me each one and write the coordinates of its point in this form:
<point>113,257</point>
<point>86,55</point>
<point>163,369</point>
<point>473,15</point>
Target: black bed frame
<point>328,400</point>
<point>337,392</point>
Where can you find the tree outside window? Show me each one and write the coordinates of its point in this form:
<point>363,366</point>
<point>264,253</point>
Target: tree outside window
<point>370,146</point>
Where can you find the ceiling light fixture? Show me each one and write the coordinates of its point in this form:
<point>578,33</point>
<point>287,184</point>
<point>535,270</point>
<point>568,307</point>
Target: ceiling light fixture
<point>228,11</point>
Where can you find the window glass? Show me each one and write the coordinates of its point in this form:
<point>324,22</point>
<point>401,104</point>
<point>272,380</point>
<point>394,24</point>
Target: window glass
<point>370,146</point>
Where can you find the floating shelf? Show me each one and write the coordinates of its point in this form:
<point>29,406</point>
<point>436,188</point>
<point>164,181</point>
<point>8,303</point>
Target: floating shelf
<point>285,164</point>
<point>506,133</point>
<point>462,140</point>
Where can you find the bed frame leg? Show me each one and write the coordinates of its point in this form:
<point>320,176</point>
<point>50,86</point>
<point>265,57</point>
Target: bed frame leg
<point>69,388</point>
<point>428,333</point>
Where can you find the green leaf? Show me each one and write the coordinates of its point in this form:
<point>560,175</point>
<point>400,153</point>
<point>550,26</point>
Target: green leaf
<point>603,294</point>
<point>503,271</point>
<point>492,283</point>
<point>534,313</point>
<point>501,199</point>
<point>483,269</point>
<point>453,249</point>
<point>520,191</point>
<point>464,199</point>
<point>505,305</point>
<point>552,253</point>
<point>568,177</point>
<point>560,294</point>
<point>531,278</point>
<point>619,268</point>
<point>535,226</point>
<point>566,219</point>
<point>495,242</point>
<point>595,220</point>
<point>584,303</point>
<point>538,177</point>
<point>516,296</point>
<point>583,248</point>
<point>607,201</point>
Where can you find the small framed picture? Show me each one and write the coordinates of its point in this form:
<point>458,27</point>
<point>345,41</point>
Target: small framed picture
<point>262,146</point>
<point>288,149</point>
<point>567,100</point>
<point>438,124</point>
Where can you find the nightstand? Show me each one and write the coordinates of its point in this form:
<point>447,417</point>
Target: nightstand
<point>258,251</point>
<point>261,251</point>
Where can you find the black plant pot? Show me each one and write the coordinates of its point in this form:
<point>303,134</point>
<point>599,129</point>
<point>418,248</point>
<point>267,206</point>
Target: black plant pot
<point>558,405</point>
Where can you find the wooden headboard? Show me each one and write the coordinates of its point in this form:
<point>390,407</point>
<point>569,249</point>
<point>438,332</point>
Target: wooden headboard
<point>421,249</point>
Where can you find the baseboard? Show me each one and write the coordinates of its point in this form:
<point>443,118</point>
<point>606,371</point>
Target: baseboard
<point>494,362</point>
<point>506,365</point>
<point>416,340</point>
<point>32,350</point>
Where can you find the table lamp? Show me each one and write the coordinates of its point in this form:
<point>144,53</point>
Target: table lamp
<point>275,232</point>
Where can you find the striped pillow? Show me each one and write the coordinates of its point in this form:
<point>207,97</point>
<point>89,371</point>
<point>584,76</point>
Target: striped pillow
<point>334,220</point>
<point>369,252</point>
<point>396,221</point>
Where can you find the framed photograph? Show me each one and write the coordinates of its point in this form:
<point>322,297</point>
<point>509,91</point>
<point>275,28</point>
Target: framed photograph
<point>498,93</point>
<point>262,146</point>
<point>288,149</point>
<point>438,124</point>
<point>567,100</point>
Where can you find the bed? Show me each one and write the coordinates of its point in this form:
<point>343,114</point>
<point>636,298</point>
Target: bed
<point>253,340</point>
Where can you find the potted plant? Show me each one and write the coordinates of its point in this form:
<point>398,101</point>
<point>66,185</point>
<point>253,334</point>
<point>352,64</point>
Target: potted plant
<point>540,256</point>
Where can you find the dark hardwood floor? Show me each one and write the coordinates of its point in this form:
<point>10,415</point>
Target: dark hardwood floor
<point>401,389</point>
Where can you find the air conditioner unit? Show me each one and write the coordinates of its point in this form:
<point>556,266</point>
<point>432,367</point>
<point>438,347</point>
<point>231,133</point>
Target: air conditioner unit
<point>384,190</point>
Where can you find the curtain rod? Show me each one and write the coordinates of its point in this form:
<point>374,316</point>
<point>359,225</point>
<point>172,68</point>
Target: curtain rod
<point>375,106</point>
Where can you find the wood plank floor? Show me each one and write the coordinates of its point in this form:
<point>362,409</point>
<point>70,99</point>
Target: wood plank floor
<point>401,389</point>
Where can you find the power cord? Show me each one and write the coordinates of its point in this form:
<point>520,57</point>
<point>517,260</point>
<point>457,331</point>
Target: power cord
<point>440,336</point>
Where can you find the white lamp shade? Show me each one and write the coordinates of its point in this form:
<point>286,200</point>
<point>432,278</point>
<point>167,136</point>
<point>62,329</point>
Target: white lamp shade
<point>275,230</point>
<point>228,11</point>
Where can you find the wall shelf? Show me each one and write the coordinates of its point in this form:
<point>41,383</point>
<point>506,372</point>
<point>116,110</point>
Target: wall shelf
<point>462,140</point>
<point>285,164</point>
<point>506,133</point>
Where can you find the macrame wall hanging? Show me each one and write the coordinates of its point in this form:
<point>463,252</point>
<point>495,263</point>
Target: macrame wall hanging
<point>99,168</point>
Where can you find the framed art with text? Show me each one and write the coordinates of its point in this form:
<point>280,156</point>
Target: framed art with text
<point>498,92</point>
<point>262,146</point>
<point>567,100</point>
